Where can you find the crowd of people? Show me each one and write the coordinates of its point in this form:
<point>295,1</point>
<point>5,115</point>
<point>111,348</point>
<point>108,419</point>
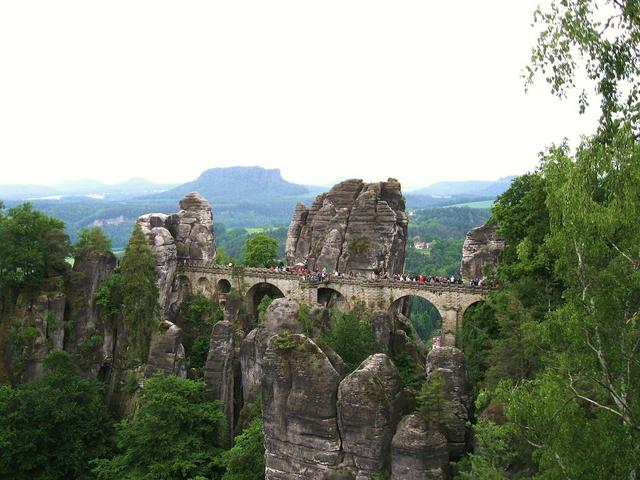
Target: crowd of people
<point>323,275</point>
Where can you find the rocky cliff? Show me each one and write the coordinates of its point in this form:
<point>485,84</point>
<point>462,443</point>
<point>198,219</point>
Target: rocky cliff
<point>482,246</point>
<point>322,421</point>
<point>356,226</point>
<point>184,236</point>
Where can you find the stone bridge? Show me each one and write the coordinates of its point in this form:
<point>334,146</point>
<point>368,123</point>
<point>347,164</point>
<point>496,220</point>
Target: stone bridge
<point>450,300</point>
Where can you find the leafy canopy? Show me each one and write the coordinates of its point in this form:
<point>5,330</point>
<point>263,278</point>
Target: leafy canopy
<point>33,247</point>
<point>139,295</point>
<point>51,428</point>
<point>91,240</point>
<point>601,38</point>
<point>175,434</point>
<point>261,250</point>
<point>245,461</point>
<point>350,335</point>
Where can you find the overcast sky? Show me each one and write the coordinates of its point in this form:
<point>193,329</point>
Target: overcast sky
<point>418,90</point>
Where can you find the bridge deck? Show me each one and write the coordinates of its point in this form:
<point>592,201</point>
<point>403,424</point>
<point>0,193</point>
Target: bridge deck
<point>234,271</point>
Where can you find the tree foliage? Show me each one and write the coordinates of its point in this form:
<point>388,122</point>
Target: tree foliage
<point>564,331</point>
<point>51,428</point>
<point>139,295</point>
<point>91,239</point>
<point>600,38</point>
<point>175,434</point>
<point>33,248</point>
<point>350,335</point>
<point>432,404</point>
<point>245,460</point>
<point>261,250</point>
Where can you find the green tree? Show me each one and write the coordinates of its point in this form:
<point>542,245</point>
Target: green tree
<point>222,258</point>
<point>600,37</point>
<point>139,295</point>
<point>245,461</point>
<point>109,296</point>
<point>33,247</point>
<point>261,250</point>
<point>175,434</point>
<point>51,428</point>
<point>265,301</point>
<point>91,239</point>
<point>350,335</point>
<point>432,403</point>
<point>575,415</point>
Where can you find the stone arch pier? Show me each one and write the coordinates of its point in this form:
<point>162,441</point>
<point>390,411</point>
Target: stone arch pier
<point>451,301</point>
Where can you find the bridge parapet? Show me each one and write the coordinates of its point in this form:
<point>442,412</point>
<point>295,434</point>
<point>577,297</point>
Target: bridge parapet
<point>451,300</point>
<point>192,266</point>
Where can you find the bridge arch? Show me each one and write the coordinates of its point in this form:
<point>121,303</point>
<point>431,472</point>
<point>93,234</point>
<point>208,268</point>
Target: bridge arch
<point>223,286</point>
<point>424,316</point>
<point>332,298</point>
<point>467,306</point>
<point>256,293</point>
<point>203,286</point>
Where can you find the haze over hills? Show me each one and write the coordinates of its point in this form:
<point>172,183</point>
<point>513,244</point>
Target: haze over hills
<point>131,188</point>
<point>472,187</point>
<point>241,197</point>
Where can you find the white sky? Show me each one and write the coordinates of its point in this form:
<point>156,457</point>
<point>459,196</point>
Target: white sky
<point>419,90</point>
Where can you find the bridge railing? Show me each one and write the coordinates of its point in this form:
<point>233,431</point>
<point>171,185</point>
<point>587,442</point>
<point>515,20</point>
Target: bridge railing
<point>210,267</point>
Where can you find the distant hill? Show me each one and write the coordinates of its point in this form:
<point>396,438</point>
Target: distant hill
<point>472,188</point>
<point>238,185</point>
<point>134,187</point>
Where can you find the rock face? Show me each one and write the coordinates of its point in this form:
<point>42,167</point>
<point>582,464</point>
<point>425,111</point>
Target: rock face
<point>299,388</point>
<point>279,316</point>
<point>449,362</point>
<point>192,229</point>
<point>368,412</point>
<point>166,353</point>
<point>163,246</point>
<point>184,236</point>
<point>219,375</point>
<point>90,269</point>
<point>354,227</point>
<point>42,322</point>
<point>418,453</point>
<point>482,246</point>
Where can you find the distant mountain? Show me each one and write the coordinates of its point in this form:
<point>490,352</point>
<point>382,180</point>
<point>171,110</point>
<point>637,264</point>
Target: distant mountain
<point>472,188</point>
<point>239,185</point>
<point>134,187</point>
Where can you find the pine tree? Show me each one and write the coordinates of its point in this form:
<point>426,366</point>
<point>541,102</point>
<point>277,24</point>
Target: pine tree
<point>139,295</point>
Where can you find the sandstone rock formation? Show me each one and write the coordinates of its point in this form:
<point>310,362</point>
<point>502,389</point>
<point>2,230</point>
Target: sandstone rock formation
<point>418,453</point>
<point>354,227</point>
<point>482,246</point>
<point>192,229</point>
<point>299,388</point>
<point>219,375</point>
<point>184,236</point>
<point>450,364</point>
<point>43,319</point>
<point>90,269</point>
<point>163,246</point>
<point>166,353</point>
<point>281,315</point>
<point>368,412</point>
